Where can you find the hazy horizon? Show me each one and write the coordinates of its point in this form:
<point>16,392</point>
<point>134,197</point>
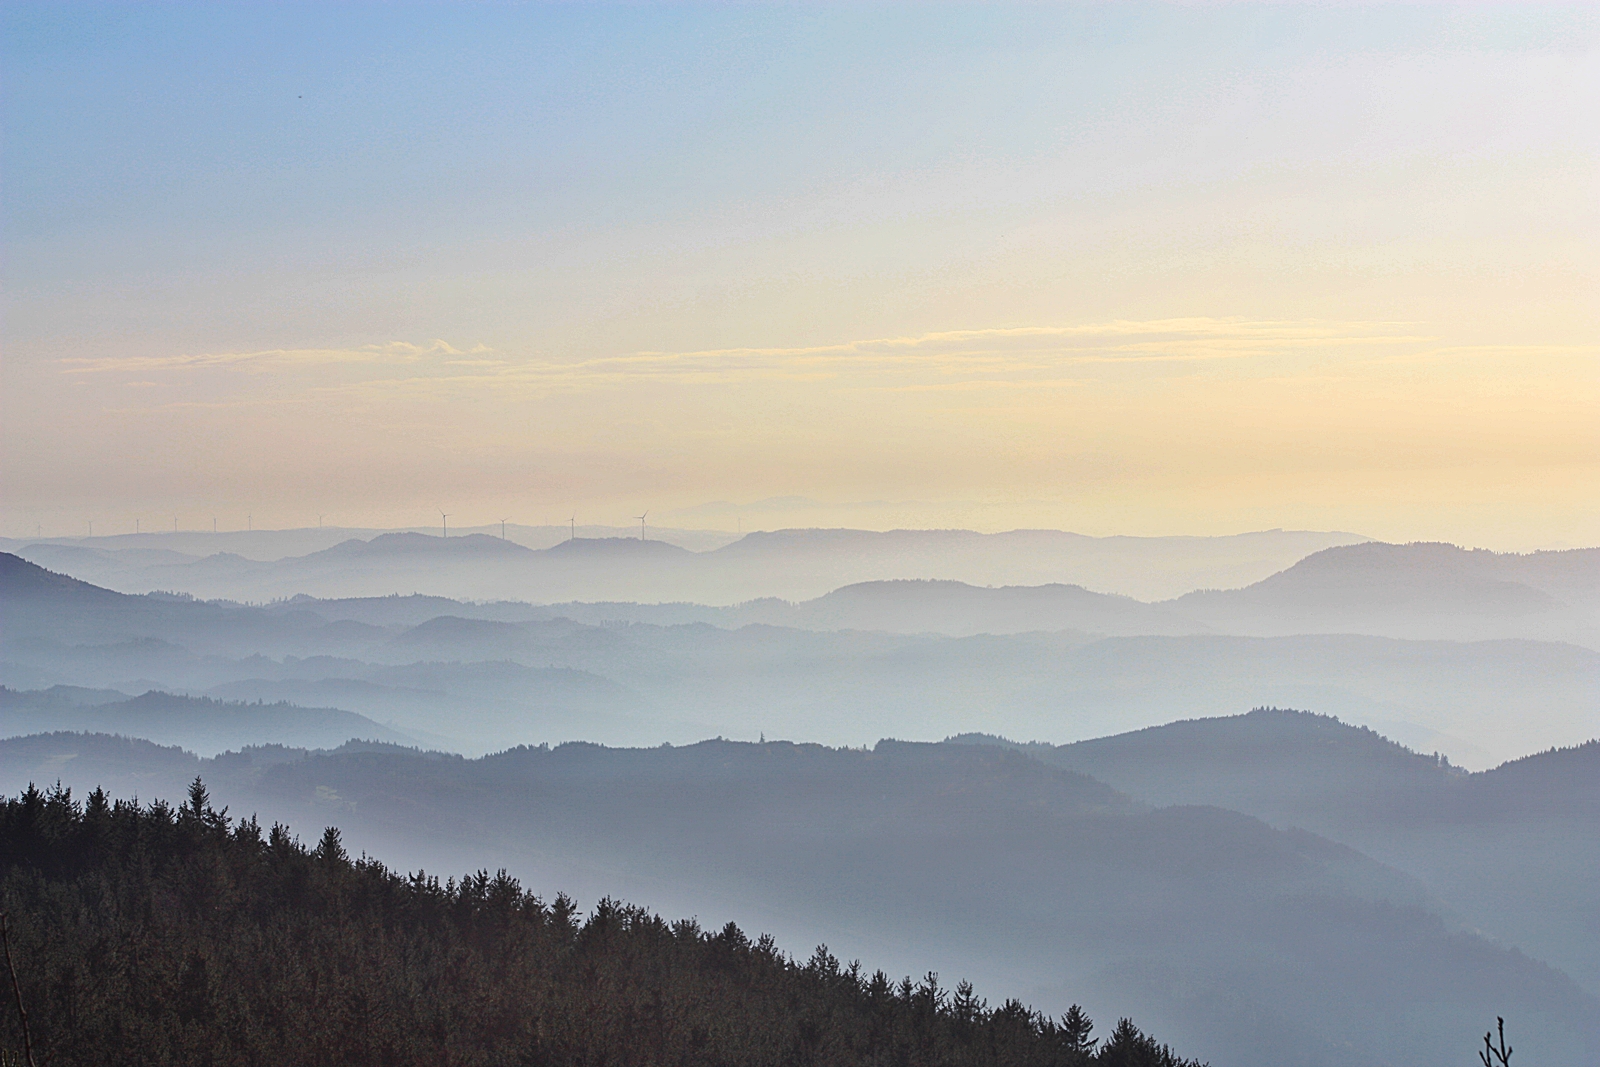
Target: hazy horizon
<point>680,528</point>
<point>1113,269</point>
<point>1094,500</point>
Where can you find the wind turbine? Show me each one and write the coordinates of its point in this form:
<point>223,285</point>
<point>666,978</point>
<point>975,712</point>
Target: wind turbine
<point>574,522</point>
<point>502,529</point>
<point>641,523</point>
<point>445,519</point>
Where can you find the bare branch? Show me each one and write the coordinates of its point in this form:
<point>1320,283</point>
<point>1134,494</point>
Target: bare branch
<point>16,988</point>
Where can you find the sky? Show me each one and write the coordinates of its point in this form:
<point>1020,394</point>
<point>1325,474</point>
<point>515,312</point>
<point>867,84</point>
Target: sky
<point>1119,269</point>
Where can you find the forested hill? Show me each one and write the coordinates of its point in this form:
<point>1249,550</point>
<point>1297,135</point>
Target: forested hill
<point>1539,817</point>
<point>162,936</point>
<point>1244,944</point>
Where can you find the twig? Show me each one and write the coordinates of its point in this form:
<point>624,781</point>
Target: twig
<point>16,988</point>
<point>1491,1055</point>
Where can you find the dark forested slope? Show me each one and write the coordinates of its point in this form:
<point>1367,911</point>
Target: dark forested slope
<point>158,936</point>
<point>1244,944</point>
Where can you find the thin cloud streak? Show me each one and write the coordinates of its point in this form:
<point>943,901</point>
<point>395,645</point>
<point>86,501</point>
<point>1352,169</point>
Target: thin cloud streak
<point>988,354</point>
<point>391,352</point>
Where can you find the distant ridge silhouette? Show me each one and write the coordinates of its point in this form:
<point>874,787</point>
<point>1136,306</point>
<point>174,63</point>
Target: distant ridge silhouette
<point>1415,590</point>
<point>617,546</point>
<point>790,564</point>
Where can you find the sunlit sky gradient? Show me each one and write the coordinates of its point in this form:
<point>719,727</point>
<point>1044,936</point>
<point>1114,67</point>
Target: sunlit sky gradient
<point>1117,269</point>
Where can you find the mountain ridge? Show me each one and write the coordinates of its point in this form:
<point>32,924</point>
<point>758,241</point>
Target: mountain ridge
<point>200,723</point>
<point>969,855</point>
<point>1507,846</point>
<point>792,564</point>
<point>1416,589</point>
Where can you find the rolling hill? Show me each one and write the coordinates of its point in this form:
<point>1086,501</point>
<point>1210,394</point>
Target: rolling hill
<point>1415,591</point>
<point>789,564</point>
<point>1250,945</point>
<point>1511,848</point>
<point>199,724</point>
<point>1480,703</point>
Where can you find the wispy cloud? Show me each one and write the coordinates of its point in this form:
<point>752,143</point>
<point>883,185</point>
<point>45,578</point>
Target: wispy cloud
<point>393,353</point>
<point>997,358</point>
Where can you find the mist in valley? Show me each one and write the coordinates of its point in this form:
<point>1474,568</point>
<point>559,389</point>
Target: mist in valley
<point>1059,794</point>
<point>684,535</point>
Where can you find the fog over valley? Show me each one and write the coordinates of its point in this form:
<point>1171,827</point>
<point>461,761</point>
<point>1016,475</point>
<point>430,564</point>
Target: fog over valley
<point>825,535</point>
<point>1478,656</point>
<point>545,563</point>
<point>1081,806</point>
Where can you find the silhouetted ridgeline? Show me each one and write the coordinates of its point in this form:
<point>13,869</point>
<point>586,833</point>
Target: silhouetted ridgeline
<point>413,664</point>
<point>794,564</point>
<point>162,936</point>
<point>1537,816</point>
<point>203,724</point>
<point>1248,945</point>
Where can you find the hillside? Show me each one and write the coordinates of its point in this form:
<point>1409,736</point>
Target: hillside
<point>1148,568</point>
<point>960,610</point>
<point>793,565</point>
<point>906,606</point>
<point>199,724</point>
<point>1416,590</point>
<point>482,677</point>
<point>320,959</point>
<point>1285,766</point>
<point>1233,939</point>
<point>1510,848</point>
<point>25,583</point>
<point>41,606</point>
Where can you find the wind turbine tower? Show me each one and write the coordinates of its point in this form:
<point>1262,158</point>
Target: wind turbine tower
<point>502,529</point>
<point>446,520</point>
<point>641,524</point>
<point>574,522</point>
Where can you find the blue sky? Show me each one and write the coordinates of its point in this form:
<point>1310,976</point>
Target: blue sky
<point>416,211</point>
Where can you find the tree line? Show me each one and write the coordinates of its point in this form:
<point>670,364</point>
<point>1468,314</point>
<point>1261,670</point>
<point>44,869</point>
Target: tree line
<point>147,934</point>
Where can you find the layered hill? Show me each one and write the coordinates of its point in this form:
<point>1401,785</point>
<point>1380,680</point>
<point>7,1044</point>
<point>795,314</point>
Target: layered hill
<point>789,564</point>
<point>199,724</point>
<point>482,676</point>
<point>960,610</point>
<point>238,945</point>
<point>1249,945</point>
<point>1416,590</point>
<point>1510,848</point>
